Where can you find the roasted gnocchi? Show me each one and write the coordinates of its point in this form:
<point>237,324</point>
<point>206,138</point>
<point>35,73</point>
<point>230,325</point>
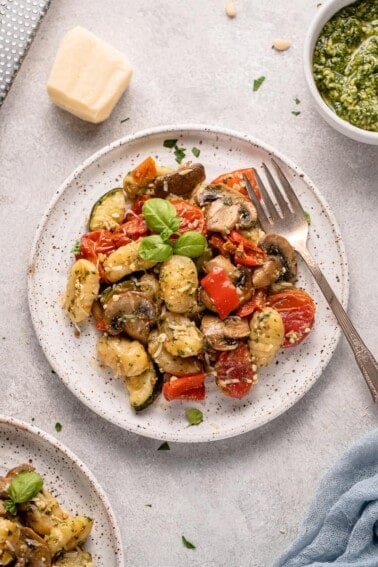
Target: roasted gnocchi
<point>184,285</point>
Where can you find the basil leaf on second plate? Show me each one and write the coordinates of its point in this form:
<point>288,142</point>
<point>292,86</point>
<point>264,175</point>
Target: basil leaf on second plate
<point>191,244</point>
<point>154,249</point>
<point>25,486</point>
<point>160,215</point>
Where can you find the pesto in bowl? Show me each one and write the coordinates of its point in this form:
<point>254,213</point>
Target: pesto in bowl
<point>345,64</point>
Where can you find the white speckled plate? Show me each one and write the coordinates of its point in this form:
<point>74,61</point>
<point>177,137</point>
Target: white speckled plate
<point>280,385</point>
<point>69,480</point>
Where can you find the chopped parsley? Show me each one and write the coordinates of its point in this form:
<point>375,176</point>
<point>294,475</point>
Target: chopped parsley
<point>164,447</point>
<point>257,83</point>
<point>295,112</point>
<point>76,248</point>
<point>194,416</point>
<point>297,101</point>
<point>124,120</point>
<point>179,154</point>
<point>169,143</point>
<point>187,543</point>
<point>196,152</point>
<point>308,217</point>
<point>58,426</point>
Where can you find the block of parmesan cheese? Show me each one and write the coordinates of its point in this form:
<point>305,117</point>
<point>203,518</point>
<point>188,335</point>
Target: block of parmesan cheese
<point>88,76</point>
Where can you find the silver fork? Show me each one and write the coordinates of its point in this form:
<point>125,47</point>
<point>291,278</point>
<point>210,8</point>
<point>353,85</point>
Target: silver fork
<point>291,222</point>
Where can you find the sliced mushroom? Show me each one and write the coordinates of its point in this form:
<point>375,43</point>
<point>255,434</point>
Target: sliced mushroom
<point>220,262</point>
<point>277,245</point>
<point>38,552</point>
<point>224,335</point>
<point>174,365</point>
<point>6,480</point>
<point>268,273</point>
<point>180,182</point>
<point>131,312</point>
<point>226,208</point>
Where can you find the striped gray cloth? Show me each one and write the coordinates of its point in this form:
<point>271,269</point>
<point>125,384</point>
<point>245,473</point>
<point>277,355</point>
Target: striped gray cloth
<point>19,21</point>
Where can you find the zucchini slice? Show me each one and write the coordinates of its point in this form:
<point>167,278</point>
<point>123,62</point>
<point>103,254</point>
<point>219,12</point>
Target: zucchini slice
<point>118,288</point>
<point>143,389</point>
<point>109,211</point>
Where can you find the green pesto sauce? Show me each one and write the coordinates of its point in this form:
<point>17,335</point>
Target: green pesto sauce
<point>345,64</point>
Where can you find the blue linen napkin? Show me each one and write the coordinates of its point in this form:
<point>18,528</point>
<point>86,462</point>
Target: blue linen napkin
<point>341,527</point>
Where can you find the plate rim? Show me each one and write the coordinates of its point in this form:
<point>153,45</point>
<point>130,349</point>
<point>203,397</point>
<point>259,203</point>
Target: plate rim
<point>188,128</point>
<point>38,433</point>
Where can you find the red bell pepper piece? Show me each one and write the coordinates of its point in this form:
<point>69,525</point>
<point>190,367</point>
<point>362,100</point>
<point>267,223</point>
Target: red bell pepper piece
<point>255,303</point>
<point>221,291</point>
<point>189,387</point>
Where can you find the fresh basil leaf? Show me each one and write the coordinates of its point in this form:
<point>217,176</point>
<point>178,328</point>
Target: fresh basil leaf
<point>196,152</point>
<point>25,486</point>
<point>257,83</point>
<point>160,215</point>
<point>169,143</point>
<point>154,249</point>
<point>187,543</point>
<point>164,447</point>
<point>179,154</point>
<point>194,416</point>
<point>191,244</point>
<point>10,507</point>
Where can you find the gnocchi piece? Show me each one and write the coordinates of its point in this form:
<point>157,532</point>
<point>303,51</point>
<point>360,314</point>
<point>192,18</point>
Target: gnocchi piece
<point>182,336</point>
<point>82,290</point>
<point>42,512</point>
<point>179,284</point>
<point>75,558</point>
<point>123,357</point>
<point>266,337</point>
<point>125,261</point>
<point>166,362</point>
<point>68,534</point>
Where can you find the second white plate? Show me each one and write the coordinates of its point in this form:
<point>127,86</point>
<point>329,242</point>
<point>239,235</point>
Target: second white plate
<point>280,386</point>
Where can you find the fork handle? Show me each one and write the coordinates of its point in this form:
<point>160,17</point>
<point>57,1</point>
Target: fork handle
<point>364,358</point>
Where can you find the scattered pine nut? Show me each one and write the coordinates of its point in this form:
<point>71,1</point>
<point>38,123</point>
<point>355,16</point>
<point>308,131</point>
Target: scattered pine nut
<point>281,44</point>
<point>230,9</point>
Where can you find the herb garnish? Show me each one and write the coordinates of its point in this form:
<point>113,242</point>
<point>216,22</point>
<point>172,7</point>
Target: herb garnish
<point>257,83</point>
<point>23,487</point>
<point>308,217</point>
<point>124,120</point>
<point>179,153</point>
<point>169,143</point>
<point>187,543</point>
<point>58,426</point>
<point>296,100</point>
<point>161,217</point>
<point>76,248</point>
<point>295,112</point>
<point>194,416</point>
<point>164,447</point>
<point>196,152</point>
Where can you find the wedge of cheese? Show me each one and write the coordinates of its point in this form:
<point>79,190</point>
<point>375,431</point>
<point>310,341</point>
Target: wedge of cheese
<point>88,76</point>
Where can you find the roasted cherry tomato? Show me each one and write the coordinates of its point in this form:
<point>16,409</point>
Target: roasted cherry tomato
<point>192,217</point>
<point>185,388</point>
<point>130,230</point>
<point>256,303</point>
<point>138,204</point>
<point>234,179</point>
<point>297,310</point>
<point>94,243</point>
<point>247,253</point>
<point>235,372</point>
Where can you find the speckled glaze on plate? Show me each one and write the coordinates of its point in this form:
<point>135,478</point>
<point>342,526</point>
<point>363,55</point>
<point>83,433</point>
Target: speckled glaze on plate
<point>68,479</point>
<point>280,385</point>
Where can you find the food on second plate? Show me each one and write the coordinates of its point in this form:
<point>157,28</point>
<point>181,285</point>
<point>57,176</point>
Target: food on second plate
<point>185,289</point>
<point>345,64</point>
<point>34,530</point>
<point>88,76</point>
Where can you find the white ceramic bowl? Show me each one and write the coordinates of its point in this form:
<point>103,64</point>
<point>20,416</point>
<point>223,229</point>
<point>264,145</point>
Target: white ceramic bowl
<point>323,15</point>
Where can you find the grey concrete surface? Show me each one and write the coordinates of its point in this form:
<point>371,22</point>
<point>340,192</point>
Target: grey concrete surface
<point>240,501</point>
